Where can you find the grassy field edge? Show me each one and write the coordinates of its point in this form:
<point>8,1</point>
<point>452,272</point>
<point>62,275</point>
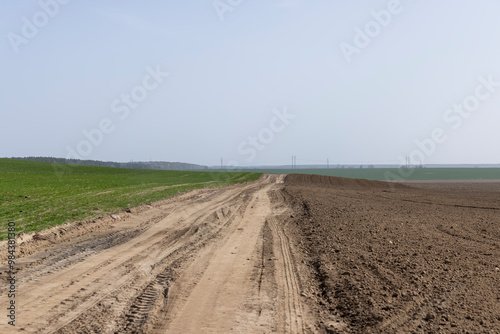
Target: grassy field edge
<point>39,195</point>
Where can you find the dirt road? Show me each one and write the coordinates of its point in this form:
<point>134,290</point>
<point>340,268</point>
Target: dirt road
<point>208,261</point>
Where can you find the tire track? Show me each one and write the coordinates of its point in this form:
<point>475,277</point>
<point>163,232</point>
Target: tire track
<point>291,289</point>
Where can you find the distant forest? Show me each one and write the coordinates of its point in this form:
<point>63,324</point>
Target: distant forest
<point>162,165</point>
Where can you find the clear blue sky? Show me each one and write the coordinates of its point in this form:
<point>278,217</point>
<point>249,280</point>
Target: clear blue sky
<point>353,81</point>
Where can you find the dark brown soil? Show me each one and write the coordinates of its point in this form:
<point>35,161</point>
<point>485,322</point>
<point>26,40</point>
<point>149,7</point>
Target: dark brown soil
<point>394,258</point>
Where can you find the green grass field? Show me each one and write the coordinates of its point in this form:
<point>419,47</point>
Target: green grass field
<point>380,173</point>
<point>37,195</point>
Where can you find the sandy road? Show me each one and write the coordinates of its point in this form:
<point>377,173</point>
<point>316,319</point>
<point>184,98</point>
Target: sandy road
<point>208,261</point>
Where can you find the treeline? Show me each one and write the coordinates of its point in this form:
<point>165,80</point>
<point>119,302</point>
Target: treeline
<point>162,165</point>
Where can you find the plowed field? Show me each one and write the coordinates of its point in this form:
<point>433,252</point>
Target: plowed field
<point>391,258</point>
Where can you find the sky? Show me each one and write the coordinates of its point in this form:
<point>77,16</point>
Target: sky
<point>251,82</point>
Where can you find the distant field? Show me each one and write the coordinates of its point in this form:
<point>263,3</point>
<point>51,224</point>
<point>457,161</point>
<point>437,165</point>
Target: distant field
<point>380,173</point>
<point>37,195</point>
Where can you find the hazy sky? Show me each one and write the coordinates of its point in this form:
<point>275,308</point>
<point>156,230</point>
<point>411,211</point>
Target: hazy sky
<point>254,82</point>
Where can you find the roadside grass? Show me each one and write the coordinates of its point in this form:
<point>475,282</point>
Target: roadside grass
<point>38,195</point>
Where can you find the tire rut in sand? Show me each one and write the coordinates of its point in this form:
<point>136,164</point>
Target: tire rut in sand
<point>290,285</point>
<point>154,296</point>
